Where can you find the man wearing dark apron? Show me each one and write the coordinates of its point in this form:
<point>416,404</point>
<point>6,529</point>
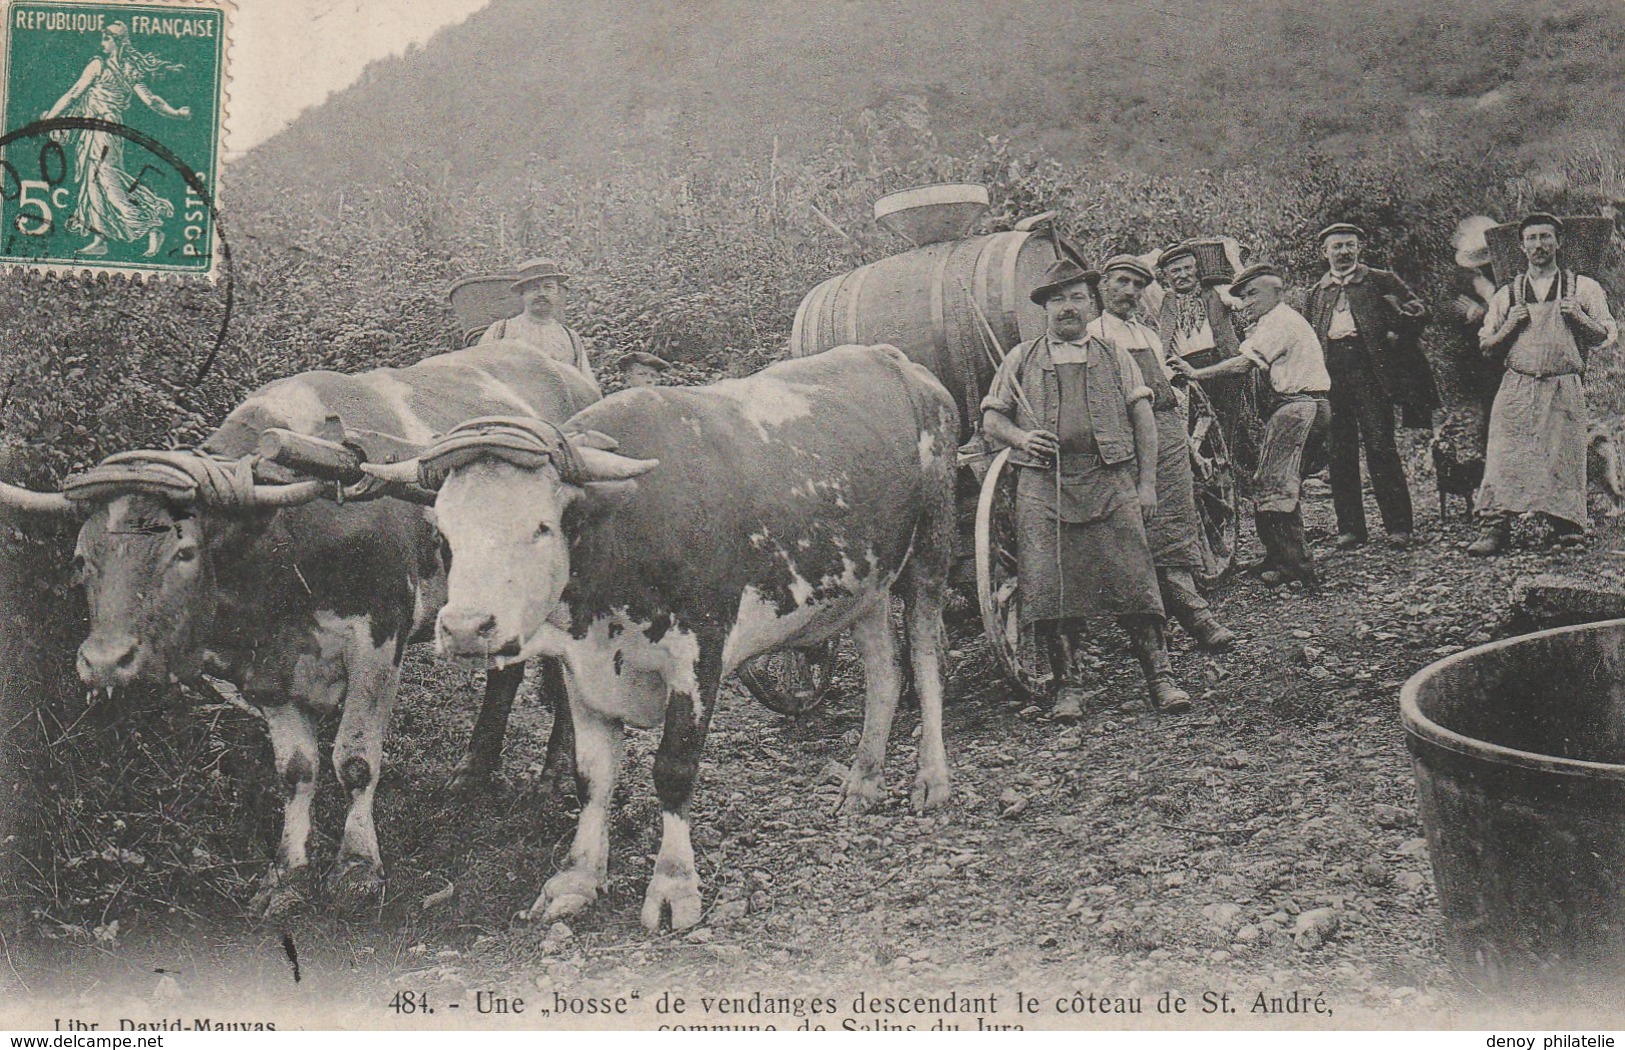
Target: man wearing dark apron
<point>1547,321</point>
<point>1174,530</point>
<point>1077,414</point>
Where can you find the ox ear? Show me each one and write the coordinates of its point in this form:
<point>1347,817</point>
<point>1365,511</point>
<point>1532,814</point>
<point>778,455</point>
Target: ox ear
<point>597,501</point>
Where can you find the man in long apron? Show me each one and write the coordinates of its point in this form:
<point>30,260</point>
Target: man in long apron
<point>1284,345</point>
<point>1173,531</point>
<point>1547,321</point>
<point>1078,416</point>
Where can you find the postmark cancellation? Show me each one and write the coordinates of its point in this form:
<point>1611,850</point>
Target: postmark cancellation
<point>114,122</point>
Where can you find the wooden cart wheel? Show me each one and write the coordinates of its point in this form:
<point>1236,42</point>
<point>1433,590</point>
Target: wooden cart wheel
<point>793,682</point>
<point>1214,476</point>
<point>997,589</point>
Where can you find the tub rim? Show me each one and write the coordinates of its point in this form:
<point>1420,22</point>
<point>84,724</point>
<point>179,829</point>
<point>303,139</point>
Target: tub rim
<point>1423,728</point>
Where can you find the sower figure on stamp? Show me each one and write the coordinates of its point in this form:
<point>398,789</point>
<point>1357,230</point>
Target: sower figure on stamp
<point>1285,347</point>
<point>1368,322</point>
<point>1078,416</point>
<point>542,285</point>
<point>1546,322</point>
<point>1174,530</point>
<point>112,202</point>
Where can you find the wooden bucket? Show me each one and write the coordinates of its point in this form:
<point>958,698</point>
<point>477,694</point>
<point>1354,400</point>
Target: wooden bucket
<point>479,302</point>
<point>1586,240</point>
<point>921,303</point>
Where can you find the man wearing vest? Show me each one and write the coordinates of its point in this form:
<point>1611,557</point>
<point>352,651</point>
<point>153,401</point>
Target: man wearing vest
<point>541,285</point>
<point>1286,348</point>
<point>1368,322</point>
<point>1546,322</point>
<point>1077,416</point>
<point>1173,531</point>
<point>1194,324</point>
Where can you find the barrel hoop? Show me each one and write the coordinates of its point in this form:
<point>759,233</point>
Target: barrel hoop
<point>1009,291</point>
<point>796,325</point>
<point>946,365</point>
<point>815,320</point>
<point>854,294</point>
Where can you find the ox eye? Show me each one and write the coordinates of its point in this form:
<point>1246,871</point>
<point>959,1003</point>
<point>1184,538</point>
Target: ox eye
<point>79,566</point>
<point>185,555</point>
<point>543,530</point>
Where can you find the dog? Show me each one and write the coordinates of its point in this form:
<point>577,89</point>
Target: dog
<point>1457,471</point>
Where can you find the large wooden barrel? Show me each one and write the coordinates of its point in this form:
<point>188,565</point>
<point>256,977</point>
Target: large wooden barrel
<point>920,302</point>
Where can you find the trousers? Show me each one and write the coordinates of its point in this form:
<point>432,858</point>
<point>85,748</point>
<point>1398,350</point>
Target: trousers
<point>1363,415</point>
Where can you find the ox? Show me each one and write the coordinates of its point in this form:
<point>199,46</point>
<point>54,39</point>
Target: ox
<point>766,512</point>
<point>305,605</point>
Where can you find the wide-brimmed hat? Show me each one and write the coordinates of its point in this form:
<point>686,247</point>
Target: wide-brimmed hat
<point>1129,263</point>
<point>1540,218</point>
<point>1252,273</point>
<point>1061,274</point>
<point>538,269</point>
<point>1336,228</point>
<point>1471,244</point>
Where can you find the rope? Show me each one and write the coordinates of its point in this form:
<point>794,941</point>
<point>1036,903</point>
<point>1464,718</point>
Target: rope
<point>527,443</point>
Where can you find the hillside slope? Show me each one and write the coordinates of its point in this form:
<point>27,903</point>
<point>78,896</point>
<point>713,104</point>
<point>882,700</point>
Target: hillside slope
<point>1178,84</point>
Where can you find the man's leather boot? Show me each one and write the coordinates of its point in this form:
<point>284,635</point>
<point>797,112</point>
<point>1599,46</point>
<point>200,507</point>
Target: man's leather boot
<point>1163,692</point>
<point>1493,537</point>
<point>1068,694</point>
<point>1179,596</point>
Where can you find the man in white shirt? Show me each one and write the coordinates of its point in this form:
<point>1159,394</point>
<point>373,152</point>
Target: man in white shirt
<point>1284,345</point>
<point>1547,322</point>
<point>541,284</point>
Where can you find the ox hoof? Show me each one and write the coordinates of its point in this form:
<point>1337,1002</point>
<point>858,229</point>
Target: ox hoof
<point>356,886</point>
<point>283,893</point>
<point>469,784</point>
<point>931,792</point>
<point>566,893</point>
<point>861,793</point>
<point>681,892</point>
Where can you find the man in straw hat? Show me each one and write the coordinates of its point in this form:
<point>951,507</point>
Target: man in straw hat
<point>541,284</point>
<point>1546,322</point>
<point>1078,416</point>
<point>1284,346</point>
<point>1174,530</point>
<point>1368,321</point>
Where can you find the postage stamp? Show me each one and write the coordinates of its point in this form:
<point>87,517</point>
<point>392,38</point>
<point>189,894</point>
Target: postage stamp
<point>114,121</point>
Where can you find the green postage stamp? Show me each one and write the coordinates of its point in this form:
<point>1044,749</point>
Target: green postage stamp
<point>114,116</point>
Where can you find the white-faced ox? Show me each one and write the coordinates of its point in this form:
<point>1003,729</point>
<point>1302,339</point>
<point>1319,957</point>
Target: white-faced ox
<point>773,511</point>
<point>304,604</point>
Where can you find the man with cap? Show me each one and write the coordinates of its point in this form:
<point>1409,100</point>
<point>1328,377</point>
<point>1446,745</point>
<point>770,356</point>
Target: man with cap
<point>642,368</point>
<point>1194,323</point>
<point>1368,322</point>
<point>541,286</point>
<point>1174,530</point>
<point>1077,415</point>
<point>1284,346</point>
<point>1546,322</point>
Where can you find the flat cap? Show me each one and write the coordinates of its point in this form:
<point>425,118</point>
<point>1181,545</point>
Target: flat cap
<point>1540,218</point>
<point>1252,273</point>
<point>1178,250</point>
<point>1339,227</point>
<point>1129,263</point>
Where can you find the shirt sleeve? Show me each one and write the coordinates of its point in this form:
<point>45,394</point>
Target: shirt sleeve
<point>1001,396</point>
<point>1264,343</point>
<point>1595,301</point>
<point>1500,306</point>
<point>1134,385</point>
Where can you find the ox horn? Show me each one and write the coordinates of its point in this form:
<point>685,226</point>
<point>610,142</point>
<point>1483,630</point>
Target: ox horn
<point>296,494</point>
<point>32,502</point>
<point>405,472</point>
<point>599,465</point>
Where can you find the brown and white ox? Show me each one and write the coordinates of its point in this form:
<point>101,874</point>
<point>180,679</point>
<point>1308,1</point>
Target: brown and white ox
<point>304,604</point>
<point>773,511</point>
